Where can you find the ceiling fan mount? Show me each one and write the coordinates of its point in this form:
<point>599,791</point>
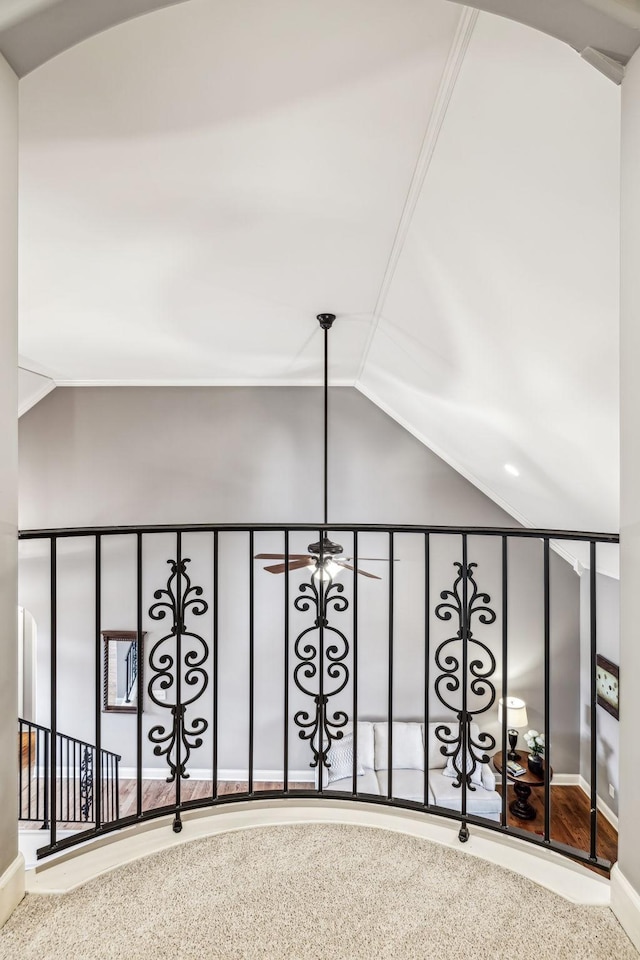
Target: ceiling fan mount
<point>326,320</point>
<point>325,547</point>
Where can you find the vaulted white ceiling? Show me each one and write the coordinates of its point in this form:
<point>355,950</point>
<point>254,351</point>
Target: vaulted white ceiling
<point>197,184</point>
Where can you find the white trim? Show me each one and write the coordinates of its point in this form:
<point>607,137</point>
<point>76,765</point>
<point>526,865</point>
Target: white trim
<point>605,810</point>
<point>30,366</point>
<point>207,382</point>
<point>30,841</point>
<point>36,397</point>
<point>608,67</point>
<point>625,903</point>
<point>566,780</point>
<point>202,773</point>
<point>11,888</point>
<point>448,80</point>
<point>70,870</point>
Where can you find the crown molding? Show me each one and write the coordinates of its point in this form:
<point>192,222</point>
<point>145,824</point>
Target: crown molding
<point>36,397</point>
<point>204,382</point>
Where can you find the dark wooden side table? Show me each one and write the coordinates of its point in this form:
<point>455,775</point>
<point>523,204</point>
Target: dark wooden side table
<point>520,807</point>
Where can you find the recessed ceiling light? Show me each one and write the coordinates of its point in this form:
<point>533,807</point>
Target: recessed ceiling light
<point>512,470</point>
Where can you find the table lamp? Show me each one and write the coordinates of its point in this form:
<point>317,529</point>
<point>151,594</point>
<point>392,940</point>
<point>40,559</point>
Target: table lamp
<point>516,717</point>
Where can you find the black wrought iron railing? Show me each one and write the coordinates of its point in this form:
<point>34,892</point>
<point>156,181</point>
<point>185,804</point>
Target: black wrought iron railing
<point>262,652</point>
<point>68,786</point>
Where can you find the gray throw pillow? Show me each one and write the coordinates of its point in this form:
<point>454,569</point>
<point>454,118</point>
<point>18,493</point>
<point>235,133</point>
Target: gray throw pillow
<point>340,760</point>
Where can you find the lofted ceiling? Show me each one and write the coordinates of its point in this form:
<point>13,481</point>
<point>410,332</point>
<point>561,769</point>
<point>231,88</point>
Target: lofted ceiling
<point>445,181</point>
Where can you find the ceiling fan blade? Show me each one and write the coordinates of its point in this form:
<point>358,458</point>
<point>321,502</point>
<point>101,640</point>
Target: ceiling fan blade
<point>378,559</point>
<point>279,556</point>
<point>364,573</point>
<point>294,565</point>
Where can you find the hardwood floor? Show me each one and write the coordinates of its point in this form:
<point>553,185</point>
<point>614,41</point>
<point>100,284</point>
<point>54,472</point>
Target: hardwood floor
<point>569,809</point>
<point>27,743</point>
<point>155,793</point>
<point>570,820</point>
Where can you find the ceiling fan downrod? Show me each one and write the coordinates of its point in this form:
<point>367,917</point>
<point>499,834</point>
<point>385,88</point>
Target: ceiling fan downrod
<point>325,557</point>
<point>326,322</point>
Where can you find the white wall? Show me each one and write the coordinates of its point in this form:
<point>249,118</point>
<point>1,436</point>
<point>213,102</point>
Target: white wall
<point>8,460</point>
<point>629,823</point>
<point>155,455</point>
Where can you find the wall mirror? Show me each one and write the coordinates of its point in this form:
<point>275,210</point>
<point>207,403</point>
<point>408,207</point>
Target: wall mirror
<point>122,658</point>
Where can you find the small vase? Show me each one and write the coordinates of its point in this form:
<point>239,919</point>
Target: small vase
<point>535,764</point>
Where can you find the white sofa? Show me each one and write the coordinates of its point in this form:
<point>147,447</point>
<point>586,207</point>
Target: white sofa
<point>408,768</point>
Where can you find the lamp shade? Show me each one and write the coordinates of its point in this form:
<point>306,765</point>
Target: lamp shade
<point>516,712</point>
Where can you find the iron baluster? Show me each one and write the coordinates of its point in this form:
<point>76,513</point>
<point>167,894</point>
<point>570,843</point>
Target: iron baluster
<point>251,665</point>
<point>179,738</point>
<point>97,794</point>
<point>86,783</point>
<point>53,682</point>
<point>427,663</point>
<point>547,695</point>
<point>324,663</point>
<point>140,697</point>
<point>593,839</point>
<point>285,771</point>
<point>390,678</point>
<point>505,675</point>
<point>459,675</point>
<point>354,662</point>
<point>464,717</point>
<point>214,676</point>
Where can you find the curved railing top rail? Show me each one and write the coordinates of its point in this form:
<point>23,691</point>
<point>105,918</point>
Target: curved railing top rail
<point>531,532</point>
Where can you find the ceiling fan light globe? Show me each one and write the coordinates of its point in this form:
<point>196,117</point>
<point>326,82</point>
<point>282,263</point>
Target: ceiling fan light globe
<point>326,571</point>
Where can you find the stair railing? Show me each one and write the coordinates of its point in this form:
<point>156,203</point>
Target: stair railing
<point>73,780</point>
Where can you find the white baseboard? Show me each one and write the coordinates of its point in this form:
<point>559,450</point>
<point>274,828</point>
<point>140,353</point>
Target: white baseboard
<point>606,811</point>
<point>11,888</point>
<point>625,903</point>
<point>566,780</point>
<point>160,773</point>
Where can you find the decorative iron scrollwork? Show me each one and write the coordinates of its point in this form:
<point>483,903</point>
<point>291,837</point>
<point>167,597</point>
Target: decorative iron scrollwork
<point>321,659</point>
<point>178,599</point>
<point>86,783</point>
<point>481,665</point>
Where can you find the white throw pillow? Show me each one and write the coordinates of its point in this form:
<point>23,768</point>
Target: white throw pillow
<point>340,760</point>
<point>450,770</point>
<point>408,747</point>
<point>364,746</point>
<point>488,777</point>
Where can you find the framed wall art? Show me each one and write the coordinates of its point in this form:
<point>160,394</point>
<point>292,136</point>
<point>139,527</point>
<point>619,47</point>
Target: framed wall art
<point>608,686</point>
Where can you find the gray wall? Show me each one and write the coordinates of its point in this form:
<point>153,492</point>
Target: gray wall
<point>8,460</point>
<point>608,644</point>
<point>629,844</point>
<point>163,455</point>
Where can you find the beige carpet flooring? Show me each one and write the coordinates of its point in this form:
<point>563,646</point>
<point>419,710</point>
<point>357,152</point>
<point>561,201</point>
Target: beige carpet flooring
<point>311,891</point>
